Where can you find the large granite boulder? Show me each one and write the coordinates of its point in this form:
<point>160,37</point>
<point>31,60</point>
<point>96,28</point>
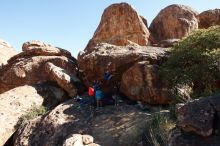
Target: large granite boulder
<point>173,22</point>
<point>124,125</point>
<point>6,52</point>
<point>64,80</point>
<point>209,18</point>
<point>141,82</point>
<point>120,25</point>
<point>197,116</point>
<point>198,123</point>
<point>28,67</point>
<point>16,102</point>
<point>118,59</point>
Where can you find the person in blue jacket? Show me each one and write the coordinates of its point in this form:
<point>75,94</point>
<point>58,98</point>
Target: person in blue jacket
<point>98,97</point>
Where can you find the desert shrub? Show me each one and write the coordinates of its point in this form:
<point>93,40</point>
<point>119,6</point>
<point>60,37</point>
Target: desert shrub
<point>31,114</point>
<point>194,62</point>
<point>159,129</point>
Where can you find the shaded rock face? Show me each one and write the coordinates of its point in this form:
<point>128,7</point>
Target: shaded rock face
<point>141,82</point>
<point>28,67</point>
<point>120,24</point>
<point>200,119</point>
<point>209,18</point>
<point>124,125</point>
<point>6,52</point>
<point>174,22</point>
<point>178,138</point>
<point>198,123</point>
<point>16,102</point>
<point>93,63</point>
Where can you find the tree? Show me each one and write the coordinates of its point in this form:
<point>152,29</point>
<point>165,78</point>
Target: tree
<point>195,62</point>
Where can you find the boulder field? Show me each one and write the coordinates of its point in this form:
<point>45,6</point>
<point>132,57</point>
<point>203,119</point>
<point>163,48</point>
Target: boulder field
<point>133,53</point>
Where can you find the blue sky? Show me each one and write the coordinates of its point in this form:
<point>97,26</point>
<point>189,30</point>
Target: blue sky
<point>70,24</point>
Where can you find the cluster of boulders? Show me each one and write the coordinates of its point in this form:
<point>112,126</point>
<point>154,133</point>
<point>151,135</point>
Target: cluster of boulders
<point>40,75</point>
<point>133,53</point>
<point>121,44</point>
<point>40,63</point>
<point>135,67</point>
<point>198,123</point>
<point>122,25</point>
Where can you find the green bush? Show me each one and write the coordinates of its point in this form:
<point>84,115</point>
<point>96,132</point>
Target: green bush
<point>194,62</point>
<point>159,129</point>
<point>31,114</point>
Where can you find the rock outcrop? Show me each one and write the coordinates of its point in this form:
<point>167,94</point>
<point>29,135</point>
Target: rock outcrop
<point>124,125</point>
<point>120,25</point>
<point>198,123</point>
<point>209,18</point>
<point>173,22</point>
<point>141,83</point>
<point>28,67</point>
<point>16,102</point>
<point>6,52</point>
<point>117,58</point>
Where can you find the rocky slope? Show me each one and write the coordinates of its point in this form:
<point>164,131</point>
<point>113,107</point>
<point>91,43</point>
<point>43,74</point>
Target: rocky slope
<point>120,25</point>
<point>40,75</point>
<point>6,52</point>
<point>16,102</point>
<point>124,125</point>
